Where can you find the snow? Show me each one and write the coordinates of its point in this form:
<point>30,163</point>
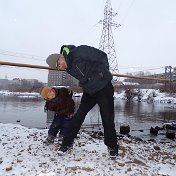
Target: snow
<point>146,94</point>
<point>22,153</point>
<point>20,94</point>
<point>150,94</point>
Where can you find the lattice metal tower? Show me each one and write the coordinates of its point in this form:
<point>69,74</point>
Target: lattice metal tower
<point>107,42</point>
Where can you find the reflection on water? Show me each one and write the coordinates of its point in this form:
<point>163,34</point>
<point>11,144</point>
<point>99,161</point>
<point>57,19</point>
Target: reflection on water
<point>27,112</point>
<point>145,111</point>
<point>140,116</point>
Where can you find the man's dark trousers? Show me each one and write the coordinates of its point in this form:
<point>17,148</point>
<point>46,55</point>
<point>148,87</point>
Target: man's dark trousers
<point>104,98</point>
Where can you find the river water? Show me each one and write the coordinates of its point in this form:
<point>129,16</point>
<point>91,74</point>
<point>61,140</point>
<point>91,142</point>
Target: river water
<point>140,116</point>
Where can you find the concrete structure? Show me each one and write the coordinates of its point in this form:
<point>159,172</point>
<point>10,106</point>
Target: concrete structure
<point>61,78</point>
<point>4,83</point>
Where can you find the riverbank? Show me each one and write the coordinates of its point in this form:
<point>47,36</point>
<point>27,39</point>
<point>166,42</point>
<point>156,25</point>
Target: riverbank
<point>20,94</point>
<point>23,153</point>
<point>147,95</point>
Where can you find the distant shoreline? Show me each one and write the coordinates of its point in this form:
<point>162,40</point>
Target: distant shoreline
<point>147,95</point>
<point>28,94</point>
<point>20,94</point>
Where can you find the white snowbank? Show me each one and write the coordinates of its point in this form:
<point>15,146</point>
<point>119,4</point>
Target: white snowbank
<point>20,94</point>
<point>23,153</point>
<point>146,95</point>
<point>150,95</point>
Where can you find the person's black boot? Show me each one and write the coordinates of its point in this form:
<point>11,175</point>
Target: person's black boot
<point>65,149</point>
<point>113,152</point>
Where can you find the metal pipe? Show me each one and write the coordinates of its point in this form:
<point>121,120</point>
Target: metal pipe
<point>142,77</point>
<point>47,68</point>
<point>24,65</point>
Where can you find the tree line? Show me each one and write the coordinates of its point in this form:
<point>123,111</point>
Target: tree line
<point>21,85</point>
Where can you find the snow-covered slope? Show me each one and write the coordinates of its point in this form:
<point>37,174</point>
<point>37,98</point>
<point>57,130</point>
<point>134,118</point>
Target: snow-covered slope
<point>22,153</point>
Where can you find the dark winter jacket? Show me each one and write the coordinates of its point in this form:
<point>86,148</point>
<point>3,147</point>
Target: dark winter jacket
<point>63,103</point>
<point>89,65</point>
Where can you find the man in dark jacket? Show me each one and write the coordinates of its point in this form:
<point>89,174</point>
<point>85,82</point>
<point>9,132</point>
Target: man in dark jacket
<point>90,66</point>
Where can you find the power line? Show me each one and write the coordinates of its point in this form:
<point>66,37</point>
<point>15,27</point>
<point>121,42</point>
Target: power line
<point>138,67</point>
<point>23,68</point>
<point>146,68</point>
<point>21,55</point>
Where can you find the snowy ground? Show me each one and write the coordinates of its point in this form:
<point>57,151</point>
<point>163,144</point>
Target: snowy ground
<point>151,95</point>
<point>23,153</point>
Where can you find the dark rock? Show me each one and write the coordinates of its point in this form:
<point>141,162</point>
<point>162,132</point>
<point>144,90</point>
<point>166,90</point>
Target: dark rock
<point>170,127</point>
<point>156,147</point>
<point>159,128</point>
<point>124,129</point>
<point>153,131</point>
<point>97,134</point>
<point>141,130</point>
<point>170,134</point>
<point>9,168</point>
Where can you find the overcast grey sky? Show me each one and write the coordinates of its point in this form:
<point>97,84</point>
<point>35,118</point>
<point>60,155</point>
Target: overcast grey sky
<point>146,39</point>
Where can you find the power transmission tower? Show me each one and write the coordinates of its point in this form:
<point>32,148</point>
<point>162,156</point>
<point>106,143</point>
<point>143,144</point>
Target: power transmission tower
<point>107,41</point>
<point>169,75</point>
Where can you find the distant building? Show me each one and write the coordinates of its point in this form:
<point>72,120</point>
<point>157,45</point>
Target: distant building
<point>174,74</point>
<point>16,81</point>
<point>61,78</point>
<point>32,81</point>
<point>4,84</point>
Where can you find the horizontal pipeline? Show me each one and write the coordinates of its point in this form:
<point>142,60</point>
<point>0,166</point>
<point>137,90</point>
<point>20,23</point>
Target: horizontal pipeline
<point>47,68</point>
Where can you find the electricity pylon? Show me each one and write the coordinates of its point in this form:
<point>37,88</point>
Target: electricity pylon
<point>107,42</point>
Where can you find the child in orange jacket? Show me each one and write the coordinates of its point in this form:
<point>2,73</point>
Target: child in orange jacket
<point>60,101</point>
